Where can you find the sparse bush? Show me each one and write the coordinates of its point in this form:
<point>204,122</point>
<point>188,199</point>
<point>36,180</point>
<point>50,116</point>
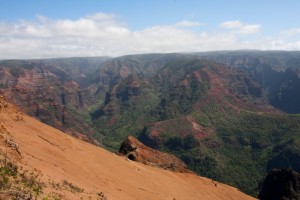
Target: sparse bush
<point>18,184</point>
<point>72,187</point>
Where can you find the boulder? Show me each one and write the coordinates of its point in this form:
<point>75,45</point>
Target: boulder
<point>134,150</point>
<point>281,184</point>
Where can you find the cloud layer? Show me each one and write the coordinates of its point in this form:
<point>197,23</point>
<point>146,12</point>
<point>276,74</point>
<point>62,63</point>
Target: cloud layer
<point>240,27</point>
<point>103,34</point>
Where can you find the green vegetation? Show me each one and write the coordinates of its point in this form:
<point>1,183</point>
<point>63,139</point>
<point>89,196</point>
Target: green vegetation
<point>70,186</point>
<point>136,103</point>
<point>242,150</point>
<point>17,183</point>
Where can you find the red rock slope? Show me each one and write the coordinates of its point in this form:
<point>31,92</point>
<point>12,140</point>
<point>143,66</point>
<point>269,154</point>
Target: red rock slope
<point>91,172</point>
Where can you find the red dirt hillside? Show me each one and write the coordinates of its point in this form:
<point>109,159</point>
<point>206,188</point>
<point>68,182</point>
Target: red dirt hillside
<point>69,168</point>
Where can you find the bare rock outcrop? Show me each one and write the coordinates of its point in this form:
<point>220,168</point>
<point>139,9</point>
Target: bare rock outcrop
<point>134,150</point>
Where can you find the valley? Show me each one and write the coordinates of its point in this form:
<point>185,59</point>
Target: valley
<point>231,116</point>
<point>41,162</point>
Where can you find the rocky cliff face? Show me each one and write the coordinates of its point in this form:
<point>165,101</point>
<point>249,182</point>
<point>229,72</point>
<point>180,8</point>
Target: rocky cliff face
<point>50,91</point>
<point>136,151</point>
<point>277,72</point>
<point>281,184</point>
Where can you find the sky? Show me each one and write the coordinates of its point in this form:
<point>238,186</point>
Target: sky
<point>80,28</point>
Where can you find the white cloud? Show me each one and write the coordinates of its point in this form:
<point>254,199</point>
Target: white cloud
<point>188,24</point>
<point>291,32</point>
<point>103,34</point>
<point>231,24</point>
<point>240,27</point>
<point>248,29</point>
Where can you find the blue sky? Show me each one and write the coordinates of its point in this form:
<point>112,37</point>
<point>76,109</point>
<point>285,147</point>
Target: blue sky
<point>62,28</point>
